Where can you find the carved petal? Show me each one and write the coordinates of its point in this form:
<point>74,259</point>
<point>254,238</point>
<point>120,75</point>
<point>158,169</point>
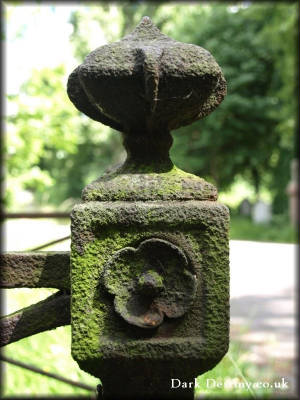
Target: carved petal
<point>149,282</point>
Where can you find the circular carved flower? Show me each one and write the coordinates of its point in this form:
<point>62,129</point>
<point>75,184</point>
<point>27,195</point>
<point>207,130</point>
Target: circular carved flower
<point>150,282</point>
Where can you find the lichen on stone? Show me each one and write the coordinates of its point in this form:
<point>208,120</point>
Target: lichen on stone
<point>149,241</point>
<point>149,282</point>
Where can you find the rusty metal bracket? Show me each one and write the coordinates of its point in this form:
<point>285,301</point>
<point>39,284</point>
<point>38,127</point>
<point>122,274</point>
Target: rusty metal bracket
<point>35,270</point>
<point>47,314</point>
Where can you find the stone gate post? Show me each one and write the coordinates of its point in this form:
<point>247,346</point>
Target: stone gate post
<point>149,256</point>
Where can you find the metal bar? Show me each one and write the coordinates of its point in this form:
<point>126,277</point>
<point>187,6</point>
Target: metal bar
<point>49,374</point>
<point>50,243</point>
<point>47,314</point>
<point>36,215</point>
<point>35,270</point>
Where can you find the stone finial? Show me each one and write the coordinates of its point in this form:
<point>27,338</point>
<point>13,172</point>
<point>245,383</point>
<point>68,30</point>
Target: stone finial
<point>149,256</point>
<point>145,85</point>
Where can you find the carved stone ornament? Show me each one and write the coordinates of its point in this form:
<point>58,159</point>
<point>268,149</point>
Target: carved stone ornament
<point>145,85</point>
<point>147,82</point>
<point>149,258</point>
<point>150,282</point>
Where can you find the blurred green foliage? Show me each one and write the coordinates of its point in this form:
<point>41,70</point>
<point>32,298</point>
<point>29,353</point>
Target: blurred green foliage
<point>278,230</point>
<point>54,151</point>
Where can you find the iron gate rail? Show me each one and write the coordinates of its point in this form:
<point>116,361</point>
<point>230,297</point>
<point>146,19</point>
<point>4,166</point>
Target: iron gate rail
<point>37,270</point>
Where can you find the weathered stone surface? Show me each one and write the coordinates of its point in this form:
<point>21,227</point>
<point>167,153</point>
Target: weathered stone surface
<point>149,282</point>
<point>150,242</point>
<point>42,316</point>
<point>147,82</point>
<point>101,338</point>
<point>169,184</point>
<point>146,85</point>
<point>35,270</point>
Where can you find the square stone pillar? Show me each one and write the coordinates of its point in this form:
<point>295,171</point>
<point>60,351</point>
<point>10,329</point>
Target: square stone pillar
<point>149,257</point>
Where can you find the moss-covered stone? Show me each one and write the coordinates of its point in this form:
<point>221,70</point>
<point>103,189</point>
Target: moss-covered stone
<point>154,280</point>
<point>147,182</point>
<point>149,241</point>
<point>100,337</point>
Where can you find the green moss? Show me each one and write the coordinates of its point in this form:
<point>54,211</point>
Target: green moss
<point>200,229</point>
<point>89,316</point>
<point>145,183</point>
<point>156,277</point>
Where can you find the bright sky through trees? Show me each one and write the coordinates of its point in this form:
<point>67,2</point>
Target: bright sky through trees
<point>36,37</point>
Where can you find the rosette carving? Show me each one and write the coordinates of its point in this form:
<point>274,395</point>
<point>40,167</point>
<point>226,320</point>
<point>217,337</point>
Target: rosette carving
<point>150,282</point>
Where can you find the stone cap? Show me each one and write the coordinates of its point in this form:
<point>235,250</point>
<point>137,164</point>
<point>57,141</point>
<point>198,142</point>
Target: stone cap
<point>147,82</point>
<point>173,184</point>
<point>145,85</point>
